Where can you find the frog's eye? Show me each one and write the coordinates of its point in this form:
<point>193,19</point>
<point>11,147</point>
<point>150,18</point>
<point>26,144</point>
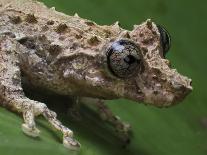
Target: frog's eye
<point>124,58</point>
<point>165,39</point>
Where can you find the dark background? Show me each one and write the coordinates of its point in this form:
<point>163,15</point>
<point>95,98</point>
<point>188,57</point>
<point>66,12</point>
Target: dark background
<point>179,130</point>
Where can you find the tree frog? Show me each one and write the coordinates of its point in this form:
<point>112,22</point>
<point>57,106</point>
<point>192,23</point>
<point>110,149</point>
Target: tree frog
<point>72,56</point>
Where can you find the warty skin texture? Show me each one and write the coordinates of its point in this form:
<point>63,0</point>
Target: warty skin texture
<point>82,47</point>
<point>68,55</point>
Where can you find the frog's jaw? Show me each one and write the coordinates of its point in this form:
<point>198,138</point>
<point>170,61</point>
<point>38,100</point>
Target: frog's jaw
<point>158,88</point>
<point>163,88</point>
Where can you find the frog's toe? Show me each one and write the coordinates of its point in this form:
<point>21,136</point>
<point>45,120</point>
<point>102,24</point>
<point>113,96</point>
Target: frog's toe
<point>30,131</point>
<point>126,127</point>
<point>71,143</point>
<point>123,128</point>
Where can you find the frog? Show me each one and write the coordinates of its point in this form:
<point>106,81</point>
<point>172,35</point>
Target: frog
<point>73,56</point>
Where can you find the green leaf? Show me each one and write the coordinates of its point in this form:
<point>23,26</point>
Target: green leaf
<point>179,130</point>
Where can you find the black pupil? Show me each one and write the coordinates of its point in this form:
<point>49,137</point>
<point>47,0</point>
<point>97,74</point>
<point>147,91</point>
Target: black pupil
<point>130,59</point>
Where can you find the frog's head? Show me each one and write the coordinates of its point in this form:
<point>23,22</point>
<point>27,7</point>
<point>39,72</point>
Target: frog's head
<point>131,65</point>
<point>140,64</point>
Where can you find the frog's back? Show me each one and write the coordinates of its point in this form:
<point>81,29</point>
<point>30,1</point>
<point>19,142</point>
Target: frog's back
<point>40,11</point>
<point>33,7</point>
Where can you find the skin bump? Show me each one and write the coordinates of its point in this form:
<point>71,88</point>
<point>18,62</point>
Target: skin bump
<point>93,41</point>
<point>50,22</point>
<point>30,18</point>
<point>15,19</point>
<point>61,28</point>
<point>54,49</point>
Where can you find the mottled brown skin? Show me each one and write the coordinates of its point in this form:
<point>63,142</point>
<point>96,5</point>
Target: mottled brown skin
<point>67,55</point>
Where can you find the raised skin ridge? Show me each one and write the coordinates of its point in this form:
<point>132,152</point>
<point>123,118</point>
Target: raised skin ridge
<point>39,10</point>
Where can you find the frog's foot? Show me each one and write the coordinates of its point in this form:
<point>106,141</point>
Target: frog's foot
<point>71,143</point>
<point>68,140</point>
<point>29,127</point>
<point>122,129</point>
<point>30,130</point>
<point>30,109</point>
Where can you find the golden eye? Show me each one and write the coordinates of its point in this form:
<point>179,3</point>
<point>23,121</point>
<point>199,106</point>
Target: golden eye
<point>124,58</point>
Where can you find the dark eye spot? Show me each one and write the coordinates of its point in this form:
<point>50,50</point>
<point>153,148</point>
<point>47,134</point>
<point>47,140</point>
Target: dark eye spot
<point>130,59</point>
<point>165,39</point>
<point>124,58</point>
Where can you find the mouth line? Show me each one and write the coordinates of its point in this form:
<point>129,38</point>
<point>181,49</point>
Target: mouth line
<point>163,96</point>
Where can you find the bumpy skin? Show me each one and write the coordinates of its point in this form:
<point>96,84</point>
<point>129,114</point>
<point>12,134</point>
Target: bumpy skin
<point>68,55</point>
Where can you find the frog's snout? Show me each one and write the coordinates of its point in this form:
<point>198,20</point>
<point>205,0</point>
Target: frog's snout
<point>164,88</point>
<point>179,86</point>
<point>181,89</point>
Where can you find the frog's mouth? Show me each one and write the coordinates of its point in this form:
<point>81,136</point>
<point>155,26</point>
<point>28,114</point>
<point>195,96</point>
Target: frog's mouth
<point>162,96</point>
<point>154,91</point>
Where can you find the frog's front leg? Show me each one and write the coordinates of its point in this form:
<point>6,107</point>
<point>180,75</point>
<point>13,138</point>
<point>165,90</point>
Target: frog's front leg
<point>12,95</point>
<point>121,128</point>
